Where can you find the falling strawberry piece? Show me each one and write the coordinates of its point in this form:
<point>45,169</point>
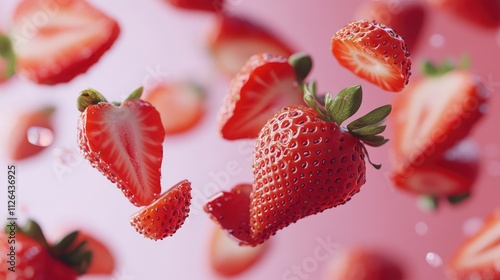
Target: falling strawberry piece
<point>181,105</point>
<point>373,52</point>
<point>7,58</point>
<point>227,258</point>
<point>364,264</point>
<point>264,85</point>
<point>73,37</point>
<point>234,39</point>
<point>32,132</point>
<point>164,216</point>
<point>479,256</point>
<point>407,19</point>
<point>124,142</point>
<point>483,13</point>
<point>198,5</point>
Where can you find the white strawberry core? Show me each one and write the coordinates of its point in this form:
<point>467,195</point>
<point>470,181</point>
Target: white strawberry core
<point>430,182</point>
<point>485,250</point>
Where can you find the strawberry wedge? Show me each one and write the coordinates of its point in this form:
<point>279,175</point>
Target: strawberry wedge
<point>72,37</point>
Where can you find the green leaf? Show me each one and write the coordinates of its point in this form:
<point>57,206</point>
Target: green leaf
<point>457,199</point>
<point>63,244</point>
<point>135,95</point>
<point>33,230</point>
<point>345,104</point>
<point>311,101</point>
<point>89,97</point>
<point>302,63</point>
<point>372,118</point>
<point>375,143</point>
<point>7,52</point>
<point>376,166</point>
<point>369,130</point>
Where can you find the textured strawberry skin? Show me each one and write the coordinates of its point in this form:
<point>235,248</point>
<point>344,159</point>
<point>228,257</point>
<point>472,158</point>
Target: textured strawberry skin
<point>302,166</point>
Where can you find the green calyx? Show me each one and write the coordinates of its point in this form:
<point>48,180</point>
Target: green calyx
<point>7,53</point>
<point>431,69</point>
<point>343,106</point>
<point>65,250</point>
<point>90,97</point>
<point>302,63</point>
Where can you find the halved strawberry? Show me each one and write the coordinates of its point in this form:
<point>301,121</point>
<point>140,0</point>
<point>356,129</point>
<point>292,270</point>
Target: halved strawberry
<point>124,142</point>
<point>34,123</point>
<point>7,57</point>
<point>484,13</point>
<point>227,258</point>
<point>479,256</point>
<point>57,40</point>
<point>264,85</point>
<point>181,105</point>
<point>164,216</point>
<point>234,39</point>
<point>198,5</point>
<point>373,52</point>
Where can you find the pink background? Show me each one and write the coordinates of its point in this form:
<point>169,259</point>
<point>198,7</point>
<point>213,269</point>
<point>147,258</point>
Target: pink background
<point>158,41</point>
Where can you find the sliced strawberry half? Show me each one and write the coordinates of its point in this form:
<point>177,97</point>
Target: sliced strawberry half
<point>164,216</point>
<point>123,142</point>
<point>234,39</point>
<point>479,256</point>
<point>264,85</point>
<point>181,105</point>
<point>231,210</point>
<point>227,258</point>
<point>198,5</point>
<point>373,52</point>
<point>71,38</point>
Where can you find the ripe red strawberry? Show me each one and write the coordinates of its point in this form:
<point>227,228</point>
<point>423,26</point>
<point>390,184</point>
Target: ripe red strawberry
<point>19,143</point>
<point>373,52</point>
<point>264,85</point>
<point>69,37</point>
<point>164,216</point>
<point>199,5</point>
<point>124,142</point>
<point>364,264</point>
<point>479,256</point>
<point>103,260</point>
<point>181,105</point>
<point>234,39</point>
<point>227,258</point>
<point>484,13</point>
<point>407,19</point>
<point>7,58</point>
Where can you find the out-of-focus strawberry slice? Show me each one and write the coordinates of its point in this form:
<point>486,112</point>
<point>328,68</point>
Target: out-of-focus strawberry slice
<point>227,258</point>
<point>180,104</point>
<point>479,256</point>
<point>103,260</point>
<point>72,37</point>
<point>234,39</point>
<point>198,5</point>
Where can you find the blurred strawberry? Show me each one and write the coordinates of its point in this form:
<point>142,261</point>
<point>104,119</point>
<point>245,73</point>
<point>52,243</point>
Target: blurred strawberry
<point>198,5</point>
<point>7,58</point>
<point>103,260</point>
<point>74,37</point>
<point>406,18</point>
<point>234,39</point>
<point>479,256</point>
<point>227,258</point>
<point>31,133</point>
<point>484,13</point>
<point>181,105</point>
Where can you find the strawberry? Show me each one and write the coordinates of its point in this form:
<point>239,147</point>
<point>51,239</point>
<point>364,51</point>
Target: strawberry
<point>407,19</point>
<point>124,142</point>
<point>181,105</point>
<point>227,258</point>
<point>19,142</point>
<point>164,216</point>
<point>71,36</point>
<point>264,85</point>
<point>479,256</point>
<point>7,58</point>
<point>36,259</point>
<point>482,13</point>
<point>198,5</point>
<point>373,52</point>
<point>364,264</point>
<point>234,39</point>
<point>103,260</point>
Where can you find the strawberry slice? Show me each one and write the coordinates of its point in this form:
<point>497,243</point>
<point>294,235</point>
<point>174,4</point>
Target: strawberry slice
<point>71,38</point>
<point>181,105</point>
<point>373,52</point>
<point>231,211</point>
<point>164,216</point>
<point>123,142</point>
<point>234,39</point>
<point>227,258</point>
<point>198,5</point>
<point>264,85</point>
<point>479,256</point>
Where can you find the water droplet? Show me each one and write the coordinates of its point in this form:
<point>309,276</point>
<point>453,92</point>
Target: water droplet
<point>471,226</point>
<point>433,259</point>
<point>493,168</point>
<point>421,228</point>
<point>40,136</point>
<point>436,40</point>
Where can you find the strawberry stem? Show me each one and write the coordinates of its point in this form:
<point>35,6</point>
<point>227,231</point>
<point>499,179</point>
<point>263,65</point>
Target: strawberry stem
<point>136,94</point>
<point>89,97</point>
